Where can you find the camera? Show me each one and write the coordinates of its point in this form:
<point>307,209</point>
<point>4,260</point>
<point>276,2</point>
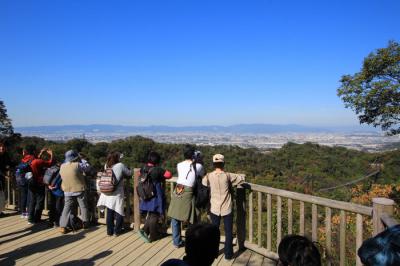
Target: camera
<point>197,157</point>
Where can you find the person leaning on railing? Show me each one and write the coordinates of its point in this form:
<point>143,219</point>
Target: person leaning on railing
<point>182,207</point>
<point>154,208</point>
<point>36,186</point>
<point>114,201</point>
<point>221,183</point>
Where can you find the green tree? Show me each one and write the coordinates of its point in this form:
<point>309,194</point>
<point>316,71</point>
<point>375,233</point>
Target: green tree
<point>6,128</point>
<point>373,93</point>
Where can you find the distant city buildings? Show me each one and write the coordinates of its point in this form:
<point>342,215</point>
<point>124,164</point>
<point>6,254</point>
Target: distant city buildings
<point>359,141</point>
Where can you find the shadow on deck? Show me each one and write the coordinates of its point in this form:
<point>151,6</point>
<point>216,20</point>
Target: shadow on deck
<point>23,244</point>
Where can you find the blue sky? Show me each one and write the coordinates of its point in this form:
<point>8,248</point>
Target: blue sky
<point>185,62</point>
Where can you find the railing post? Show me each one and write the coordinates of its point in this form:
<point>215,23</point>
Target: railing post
<point>380,206</point>
<point>11,195</point>
<point>128,213</point>
<point>241,216</point>
<point>136,210</point>
<point>8,192</point>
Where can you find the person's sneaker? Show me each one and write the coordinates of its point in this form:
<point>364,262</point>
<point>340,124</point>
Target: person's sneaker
<point>50,224</point>
<point>63,230</point>
<point>228,258</point>
<point>181,245</point>
<point>26,215</point>
<point>85,225</point>
<point>143,236</point>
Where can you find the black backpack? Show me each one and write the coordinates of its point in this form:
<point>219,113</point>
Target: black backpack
<point>145,188</point>
<point>201,192</point>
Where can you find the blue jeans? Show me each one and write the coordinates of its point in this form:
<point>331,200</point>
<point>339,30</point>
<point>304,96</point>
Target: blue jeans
<point>23,198</point>
<point>119,219</point>
<point>228,225</point>
<point>176,232</point>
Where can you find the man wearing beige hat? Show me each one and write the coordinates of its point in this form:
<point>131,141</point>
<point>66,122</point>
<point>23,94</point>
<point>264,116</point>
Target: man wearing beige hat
<point>221,183</point>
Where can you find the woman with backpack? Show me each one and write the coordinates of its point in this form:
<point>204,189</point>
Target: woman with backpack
<point>114,201</point>
<point>153,207</point>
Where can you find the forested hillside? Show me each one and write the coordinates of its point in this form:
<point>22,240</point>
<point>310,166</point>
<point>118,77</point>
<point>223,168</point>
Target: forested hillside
<point>300,167</point>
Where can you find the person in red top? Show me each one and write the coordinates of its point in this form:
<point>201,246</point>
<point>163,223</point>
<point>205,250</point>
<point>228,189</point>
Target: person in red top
<point>36,186</point>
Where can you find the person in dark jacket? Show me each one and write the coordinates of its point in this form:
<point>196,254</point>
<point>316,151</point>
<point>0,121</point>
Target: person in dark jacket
<point>201,246</point>
<point>154,209</point>
<point>383,249</point>
<point>5,165</point>
<point>296,250</point>
<point>56,203</point>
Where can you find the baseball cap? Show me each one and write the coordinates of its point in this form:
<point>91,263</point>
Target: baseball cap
<point>218,158</point>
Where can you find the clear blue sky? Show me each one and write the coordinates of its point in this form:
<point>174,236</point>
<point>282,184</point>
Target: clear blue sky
<point>185,62</point>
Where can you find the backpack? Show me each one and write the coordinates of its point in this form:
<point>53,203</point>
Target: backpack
<point>145,188</point>
<point>20,172</point>
<point>108,182</point>
<point>56,183</point>
<point>201,192</point>
<point>50,174</point>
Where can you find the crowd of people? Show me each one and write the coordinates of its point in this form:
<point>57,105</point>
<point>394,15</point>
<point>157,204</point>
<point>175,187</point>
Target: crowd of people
<point>68,184</point>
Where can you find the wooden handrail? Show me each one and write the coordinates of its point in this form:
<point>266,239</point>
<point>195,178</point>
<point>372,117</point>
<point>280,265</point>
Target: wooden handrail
<point>388,220</point>
<point>335,204</point>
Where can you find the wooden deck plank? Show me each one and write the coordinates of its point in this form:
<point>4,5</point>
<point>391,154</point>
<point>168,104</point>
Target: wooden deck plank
<point>151,252</point>
<point>117,248</point>
<point>243,258</point>
<point>25,248</point>
<point>221,255</point>
<point>176,253</point>
<point>268,262</point>
<point>27,239</point>
<point>104,248</point>
<point>126,251</point>
<point>9,226</point>
<point>65,245</point>
<point>255,259</point>
<point>162,255</point>
<point>64,253</point>
<point>23,244</point>
<point>61,245</point>
<point>15,231</point>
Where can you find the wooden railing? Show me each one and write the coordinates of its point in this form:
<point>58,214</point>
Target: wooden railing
<point>264,215</point>
<point>277,197</point>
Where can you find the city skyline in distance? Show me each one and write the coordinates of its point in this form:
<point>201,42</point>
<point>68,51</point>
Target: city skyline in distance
<point>236,129</point>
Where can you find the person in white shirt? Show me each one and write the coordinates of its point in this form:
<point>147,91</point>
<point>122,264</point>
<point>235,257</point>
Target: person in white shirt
<point>182,206</point>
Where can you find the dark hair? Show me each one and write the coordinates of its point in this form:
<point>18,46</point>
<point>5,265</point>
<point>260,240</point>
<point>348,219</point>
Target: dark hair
<point>188,152</point>
<point>219,165</point>
<point>112,158</point>
<point>202,244</point>
<point>383,249</point>
<point>30,149</point>
<point>154,157</point>
<point>295,250</point>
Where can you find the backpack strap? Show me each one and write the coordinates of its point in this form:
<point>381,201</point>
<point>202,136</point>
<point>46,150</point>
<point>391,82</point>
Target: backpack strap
<point>229,182</point>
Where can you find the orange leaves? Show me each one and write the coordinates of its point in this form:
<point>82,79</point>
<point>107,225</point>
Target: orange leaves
<point>360,196</point>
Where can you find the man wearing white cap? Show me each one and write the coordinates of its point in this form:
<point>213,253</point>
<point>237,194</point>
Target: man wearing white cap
<point>220,183</point>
